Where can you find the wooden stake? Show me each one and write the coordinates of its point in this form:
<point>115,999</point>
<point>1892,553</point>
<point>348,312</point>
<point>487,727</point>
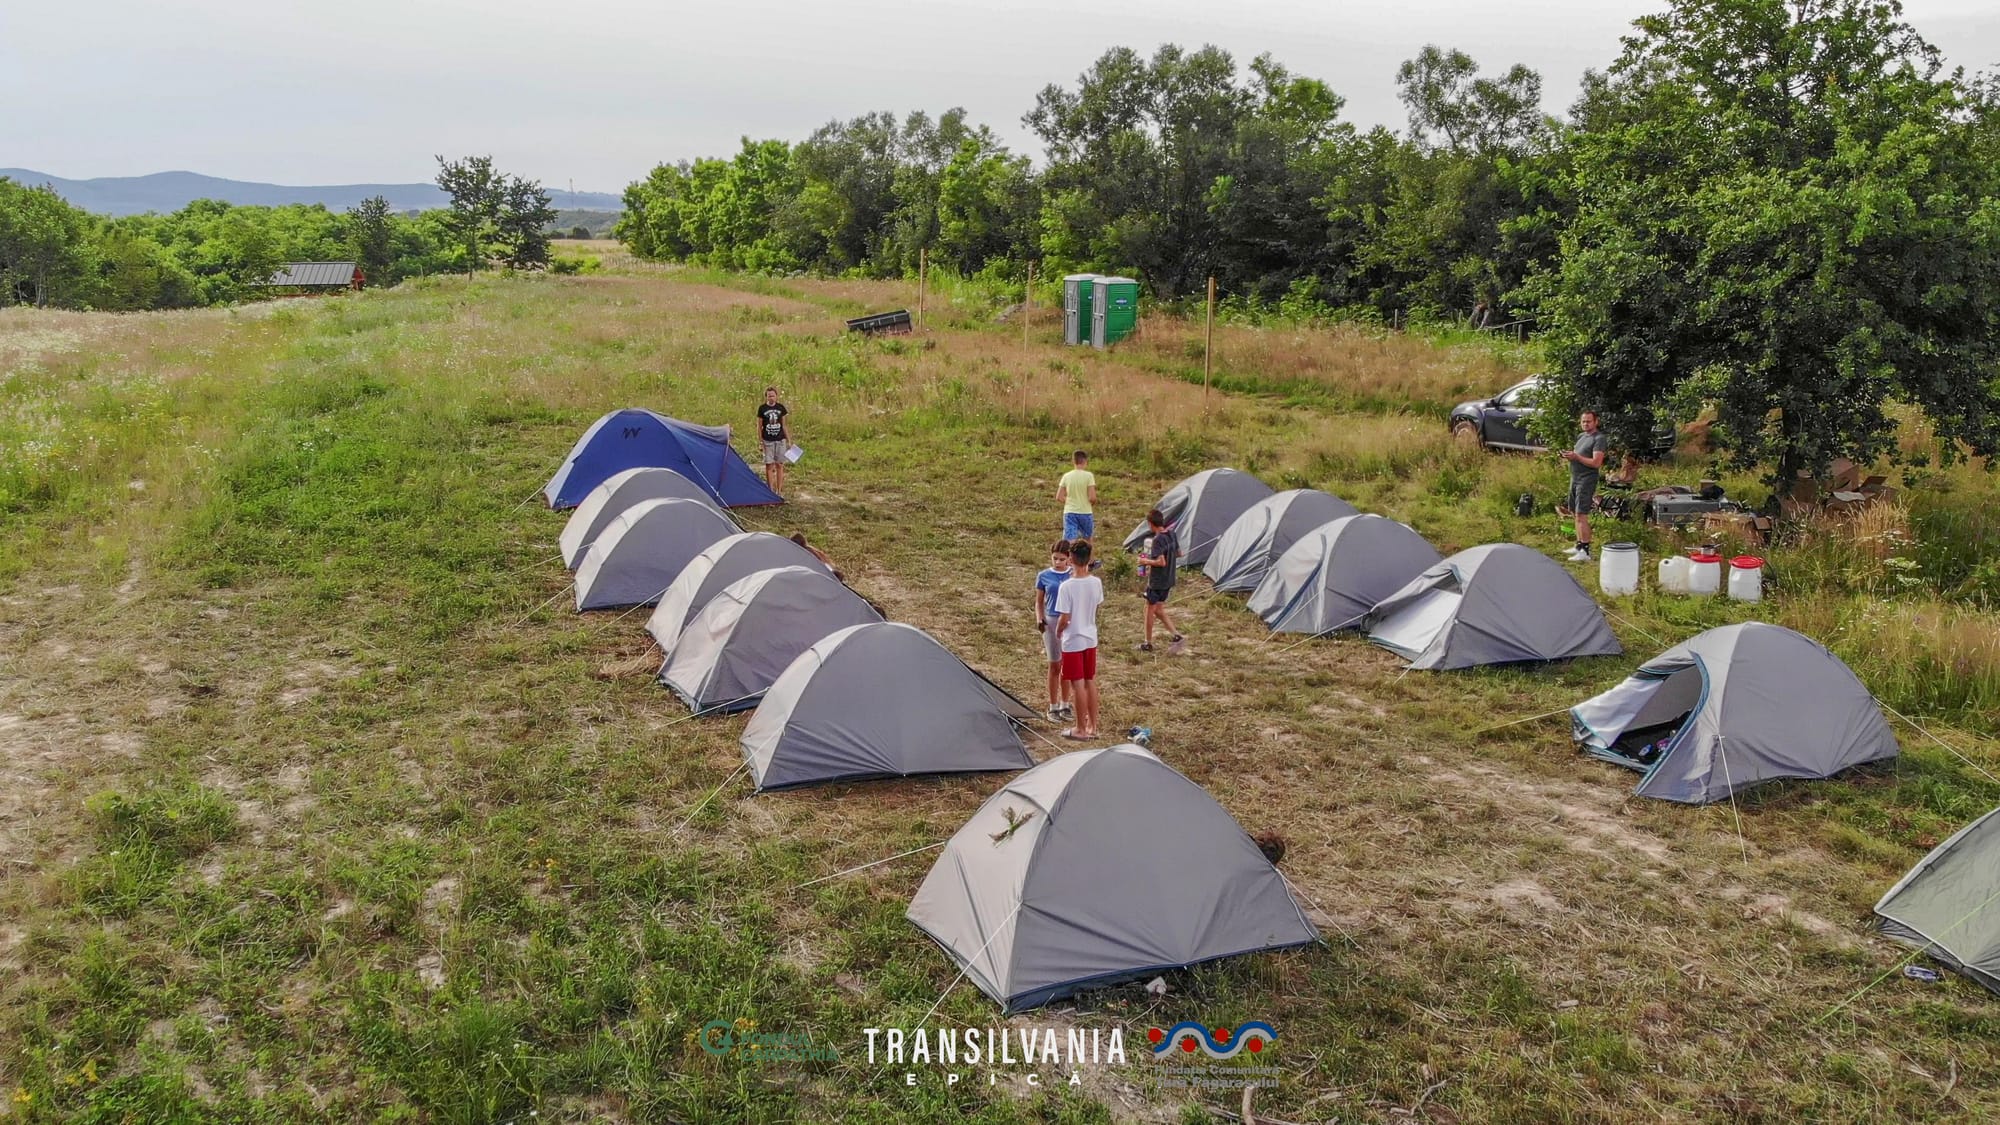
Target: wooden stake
<point>923,278</point>
<point>1027,306</point>
<point>1208,346</point>
<point>1027,315</point>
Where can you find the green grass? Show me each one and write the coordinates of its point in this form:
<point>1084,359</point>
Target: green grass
<point>333,823</point>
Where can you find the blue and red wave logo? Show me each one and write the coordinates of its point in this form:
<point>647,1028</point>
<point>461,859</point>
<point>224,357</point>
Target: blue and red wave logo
<point>1216,1043</point>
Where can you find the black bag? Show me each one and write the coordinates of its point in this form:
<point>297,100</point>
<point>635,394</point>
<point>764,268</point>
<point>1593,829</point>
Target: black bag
<point>1525,506</point>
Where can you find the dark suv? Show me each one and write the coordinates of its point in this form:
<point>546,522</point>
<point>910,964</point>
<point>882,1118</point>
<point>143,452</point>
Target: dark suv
<point>1501,422</point>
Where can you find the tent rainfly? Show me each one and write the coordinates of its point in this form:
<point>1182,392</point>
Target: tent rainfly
<point>1099,866</point>
<point>711,572</point>
<point>608,500</point>
<point>747,635</point>
<point>1734,706</point>
<point>1264,531</point>
<point>1201,508</point>
<point>1501,603</point>
<point>881,700</point>
<point>1949,903</point>
<point>1336,572</point>
<point>640,553</point>
<point>632,439</point>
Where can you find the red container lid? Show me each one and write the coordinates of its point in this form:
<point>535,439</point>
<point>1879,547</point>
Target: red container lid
<point>1747,562</point>
<point>1704,557</point>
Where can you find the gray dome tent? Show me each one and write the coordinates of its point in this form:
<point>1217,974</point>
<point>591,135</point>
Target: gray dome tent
<point>1732,707</point>
<point>709,573</point>
<point>1949,903</point>
<point>881,700</point>
<point>747,635</point>
<point>1098,866</point>
<point>609,500</point>
<point>1336,573</point>
<point>1264,531</point>
<point>639,553</point>
<point>1201,508</point>
<point>1501,603</point>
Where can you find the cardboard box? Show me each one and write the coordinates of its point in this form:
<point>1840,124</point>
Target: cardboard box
<point>1746,526</point>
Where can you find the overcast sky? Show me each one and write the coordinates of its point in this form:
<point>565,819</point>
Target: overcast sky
<point>595,92</point>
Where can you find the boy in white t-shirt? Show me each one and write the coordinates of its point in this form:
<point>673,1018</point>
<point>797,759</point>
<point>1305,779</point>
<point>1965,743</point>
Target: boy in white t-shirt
<point>1077,600</point>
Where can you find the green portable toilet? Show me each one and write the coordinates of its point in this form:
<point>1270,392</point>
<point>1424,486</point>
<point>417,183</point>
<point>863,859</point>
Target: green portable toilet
<point>1078,288</point>
<point>1114,310</point>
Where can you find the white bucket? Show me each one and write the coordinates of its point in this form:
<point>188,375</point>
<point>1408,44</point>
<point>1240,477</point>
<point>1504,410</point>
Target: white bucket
<point>1674,574</point>
<point>1705,575</point>
<point>1618,569</point>
<point>1746,579</point>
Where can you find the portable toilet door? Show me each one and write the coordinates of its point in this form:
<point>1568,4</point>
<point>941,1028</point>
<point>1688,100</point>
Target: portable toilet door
<point>1115,311</point>
<point>1077,293</point>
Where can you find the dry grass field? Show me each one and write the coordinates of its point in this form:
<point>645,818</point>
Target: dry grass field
<point>316,803</point>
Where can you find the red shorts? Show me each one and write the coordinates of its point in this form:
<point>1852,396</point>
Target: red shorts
<point>1080,665</point>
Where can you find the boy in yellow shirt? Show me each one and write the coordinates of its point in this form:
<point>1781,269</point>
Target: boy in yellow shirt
<point>1077,493</point>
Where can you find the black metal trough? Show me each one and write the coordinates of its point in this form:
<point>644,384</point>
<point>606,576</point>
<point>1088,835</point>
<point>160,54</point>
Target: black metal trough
<point>882,324</point>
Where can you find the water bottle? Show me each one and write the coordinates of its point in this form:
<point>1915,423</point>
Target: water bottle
<point>1145,552</point>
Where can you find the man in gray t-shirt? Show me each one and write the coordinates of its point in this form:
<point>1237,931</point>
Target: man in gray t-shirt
<point>1585,463</point>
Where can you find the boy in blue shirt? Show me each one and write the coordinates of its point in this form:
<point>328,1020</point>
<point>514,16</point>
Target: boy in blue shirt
<point>1046,585</point>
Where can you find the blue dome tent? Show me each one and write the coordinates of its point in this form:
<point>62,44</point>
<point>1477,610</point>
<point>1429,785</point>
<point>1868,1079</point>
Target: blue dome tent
<point>633,439</point>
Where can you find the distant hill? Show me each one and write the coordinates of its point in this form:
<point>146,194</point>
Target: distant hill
<point>170,191</point>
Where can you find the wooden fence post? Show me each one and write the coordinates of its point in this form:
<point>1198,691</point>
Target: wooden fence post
<point>1208,347</point>
<point>923,279</point>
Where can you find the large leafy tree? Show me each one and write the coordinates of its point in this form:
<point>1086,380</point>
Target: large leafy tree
<point>495,216</point>
<point>1135,152</point>
<point>45,246</point>
<point>525,215</point>
<point>1470,207</point>
<point>1787,210</point>
<point>476,190</point>
<point>374,239</point>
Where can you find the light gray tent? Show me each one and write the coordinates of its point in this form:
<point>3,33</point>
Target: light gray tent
<point>709,573</point>
<point>1336,573</point>
<point>641,552</point>
<point>881,700</point>
<point>1264,531</point>
<point>611,498</point>
<point>1497,604</point>
<point>1201,508</point>
<point>1949,903</point>
<point>1094,867</point>
<point>1731,707</point>
<point>747,635</point>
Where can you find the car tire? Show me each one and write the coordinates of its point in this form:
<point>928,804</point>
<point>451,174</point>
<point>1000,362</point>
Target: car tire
<point>1467,432</point>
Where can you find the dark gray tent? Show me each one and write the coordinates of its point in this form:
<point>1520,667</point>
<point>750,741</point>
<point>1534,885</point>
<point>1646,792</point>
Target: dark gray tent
<point>1949,903</point>
<point>1265,531</point>
<point>747,635</point>
<point>1201,508</point>
<point>609,500</point>
<point>1497,604</point>
<point>1337,572</point>
<point>1731,707</point>
<point>1098,866</point>
<point>639,554</point>
<point>709,573</point>
<point>881,700</point>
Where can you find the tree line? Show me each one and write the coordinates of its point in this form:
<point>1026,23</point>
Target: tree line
<point>211,252</point>
<point>1787,211</point>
